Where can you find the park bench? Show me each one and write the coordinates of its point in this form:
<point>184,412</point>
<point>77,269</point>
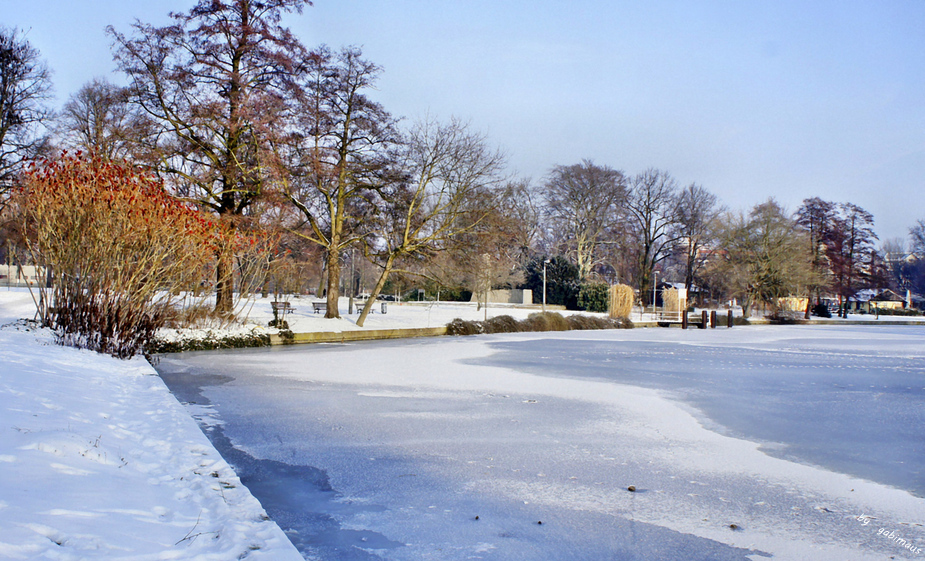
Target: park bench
<point>360,303</point>
<point>281,308</point>
<point>319,307</point>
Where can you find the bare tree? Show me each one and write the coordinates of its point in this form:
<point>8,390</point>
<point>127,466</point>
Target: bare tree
<point>818,219</point>
<point>100,119</point>
<point>344,159</point>
<point>698,210</point>
<point>917,235</point>
<point>520,202</point>
<point>894,254</point>
<point>915,265</point>
<point>652,210</point>
<point>448,167</point>
<point>764,258</point>
<point>219,83</point>
<point>851,251</point>
<point>583,201</point>
<point>25,90</point>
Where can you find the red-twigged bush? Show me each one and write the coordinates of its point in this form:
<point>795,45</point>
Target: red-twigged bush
<point>118,249</point>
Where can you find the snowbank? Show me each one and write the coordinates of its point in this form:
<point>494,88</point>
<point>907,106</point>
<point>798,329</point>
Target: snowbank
<point>99,461</point>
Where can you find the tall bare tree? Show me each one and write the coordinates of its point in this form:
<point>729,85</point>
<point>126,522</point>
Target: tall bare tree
<point>520,202</point>
<point>915,266</point>
<point>25,91</point>
<point>851,251</point>
<point>344,159</point>
<point>583,202</point>
<point>100,119</point>
<point>817,218</point>
<point>652,210</point>
<point>219,82</point>
<point>764,257</point>
<point>917,235</point>
<point>450,172</point>
<point>698,210</point>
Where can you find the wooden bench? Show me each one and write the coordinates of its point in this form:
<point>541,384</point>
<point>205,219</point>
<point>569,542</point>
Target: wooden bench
<point>282,307</point>
<point>320,307</point>
<point>359,304</point>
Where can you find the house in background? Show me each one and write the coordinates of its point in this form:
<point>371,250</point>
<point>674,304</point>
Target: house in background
<point>21,275</point>
<point>870,300</point>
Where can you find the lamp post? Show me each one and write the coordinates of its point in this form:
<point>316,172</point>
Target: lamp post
<point>544,284</point>
<point>352,280</point>
<point>654,287</point>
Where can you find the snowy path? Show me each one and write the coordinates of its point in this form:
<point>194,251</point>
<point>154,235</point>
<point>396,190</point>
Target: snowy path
<point>393,449</point>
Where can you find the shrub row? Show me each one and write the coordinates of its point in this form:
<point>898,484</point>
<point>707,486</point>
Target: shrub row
<point>548,321</point>
<point>208,342</point>
<point>896,312</point>
<point>785,317</point>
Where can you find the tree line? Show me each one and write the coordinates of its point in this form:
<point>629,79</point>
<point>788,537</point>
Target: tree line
<point>237,118</point>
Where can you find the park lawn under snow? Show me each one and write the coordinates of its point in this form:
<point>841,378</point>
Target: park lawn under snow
<point>99,461</point>
<point>256,313</point>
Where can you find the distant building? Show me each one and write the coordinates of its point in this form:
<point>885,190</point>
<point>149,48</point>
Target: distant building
<point>871,299</point>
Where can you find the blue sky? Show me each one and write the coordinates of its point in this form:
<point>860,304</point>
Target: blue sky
<point>749,99</point>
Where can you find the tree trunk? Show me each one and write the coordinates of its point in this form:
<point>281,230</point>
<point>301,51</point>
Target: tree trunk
<point>333,282</point>
<point>322,278</point>
<point>689,269</point>
<point>370,302</point>
<point>224,284</point>
<point>645,290</point>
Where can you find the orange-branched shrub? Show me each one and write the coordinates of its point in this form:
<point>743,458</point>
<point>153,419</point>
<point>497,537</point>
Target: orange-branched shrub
<point>117,248</point>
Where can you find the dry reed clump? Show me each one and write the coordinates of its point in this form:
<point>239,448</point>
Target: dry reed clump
<point>621,301</point>
<point>547,321</point>
<point>671,300</point>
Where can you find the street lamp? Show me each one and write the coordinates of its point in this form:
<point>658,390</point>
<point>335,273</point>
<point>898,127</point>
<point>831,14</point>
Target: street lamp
<point>352,281</point>
<point>654,286</point>
<point>544,284</point>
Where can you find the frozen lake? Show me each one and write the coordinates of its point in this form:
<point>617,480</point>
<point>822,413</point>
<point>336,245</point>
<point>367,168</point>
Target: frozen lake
<point>854,403</point>
<point>741,443</point>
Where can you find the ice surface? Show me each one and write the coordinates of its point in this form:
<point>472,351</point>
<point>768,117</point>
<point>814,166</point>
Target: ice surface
<point>401,445</point>
<point>852,403</point>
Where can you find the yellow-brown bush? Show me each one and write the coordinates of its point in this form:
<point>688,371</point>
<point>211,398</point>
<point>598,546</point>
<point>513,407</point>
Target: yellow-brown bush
<point>672,302</point>
<point>621,301</point>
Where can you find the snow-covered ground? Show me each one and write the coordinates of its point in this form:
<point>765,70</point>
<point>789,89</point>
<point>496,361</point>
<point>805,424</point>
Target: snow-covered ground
<point>99,461</point>
<point>257,313</point>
